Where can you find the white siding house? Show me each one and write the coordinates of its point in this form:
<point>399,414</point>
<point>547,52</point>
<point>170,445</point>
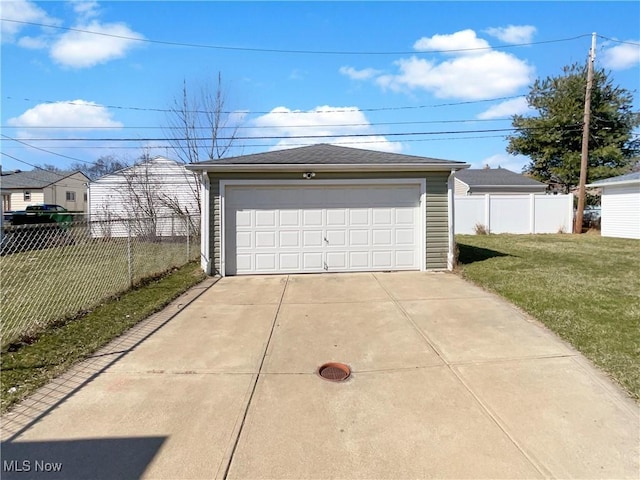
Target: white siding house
<point>620,206</point>
<point>157,194</point>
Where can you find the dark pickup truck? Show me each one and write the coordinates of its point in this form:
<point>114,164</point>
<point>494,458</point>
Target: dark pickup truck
<point>44,213</point>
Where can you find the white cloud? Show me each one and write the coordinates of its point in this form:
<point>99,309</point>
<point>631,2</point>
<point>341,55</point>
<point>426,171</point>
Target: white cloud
<point>462,40</point>
<point>513,33</point>
<point>472,77</point>
<point>33,43</point>
<point>23,11</point>
<point>621,56</point>
<point>83,50</point>
<point>364,74</point>
<point>515,163</point>
<point>85,9</point>
<point>77,113</point>
<point>515,106</point>
<point>325,121</point>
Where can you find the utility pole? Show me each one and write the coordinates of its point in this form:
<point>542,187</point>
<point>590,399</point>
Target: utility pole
<point>577,228</point>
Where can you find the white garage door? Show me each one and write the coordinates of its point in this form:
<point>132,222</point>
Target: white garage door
<point>293,229</point>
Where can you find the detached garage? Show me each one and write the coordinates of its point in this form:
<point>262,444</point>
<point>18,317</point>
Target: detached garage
<point>325,208</point>
<point>620,205</point>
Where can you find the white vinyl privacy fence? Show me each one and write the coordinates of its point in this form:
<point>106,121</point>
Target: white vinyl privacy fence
<point>528,213</point>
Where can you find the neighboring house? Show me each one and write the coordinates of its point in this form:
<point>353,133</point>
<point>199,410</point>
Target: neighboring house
<point>620,205</point>
<point>23,188</point>
<point>498,181</point>
<point>325,208</point>
<point>151,194</point>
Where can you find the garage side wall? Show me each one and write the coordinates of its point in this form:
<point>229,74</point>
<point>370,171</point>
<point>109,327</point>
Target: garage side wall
<point>437,240</point>
<point>436,207</point>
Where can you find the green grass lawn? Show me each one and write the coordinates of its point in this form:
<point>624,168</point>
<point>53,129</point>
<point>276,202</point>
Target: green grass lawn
<point>44,286</point>
<point>586,288</point>
<point>26,367</point>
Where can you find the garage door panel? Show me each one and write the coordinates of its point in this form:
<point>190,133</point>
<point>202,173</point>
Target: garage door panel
<point>382,259</point>
<point>359,217</point>
<point>312,238</point>
<point>337,260</point>
<point>312,218</point>
<point>336,238</point>
<point>405,236</point>
<point>243,218</point>
<point>265,240</point>
<point>405,258</point>
<point>336,217</point>
<point>265,262</point>
<point>243,239</point>
<point>265,218</point>
<point>358,238</point>
<point>312,261</point>
<point>316,229</point>
<point>405,216</point>
<point>289,218</point>
<point>382,216</point>
<point>289,261</point>
<point>359,260</point>
<point>290,239</point>
<point>382,237</point>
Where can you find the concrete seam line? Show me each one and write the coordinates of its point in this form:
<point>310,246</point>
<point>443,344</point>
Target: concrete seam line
<point>406,315</point>
<point>482,405</point>
<point>255,383</point>
<point>498,422</point>
<point>87,377</point>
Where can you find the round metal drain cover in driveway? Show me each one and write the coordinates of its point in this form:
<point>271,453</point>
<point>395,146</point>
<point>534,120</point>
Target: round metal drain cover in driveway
<point>334,371</point>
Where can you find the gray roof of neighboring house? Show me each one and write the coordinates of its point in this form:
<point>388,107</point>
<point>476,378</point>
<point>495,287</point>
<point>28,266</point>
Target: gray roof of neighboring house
<point>35,179</point>
<point>629,177</point>
<point>325,154</point>
<point>498,177</point>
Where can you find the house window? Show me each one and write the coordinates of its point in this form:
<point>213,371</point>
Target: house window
<point>71,196</point>
<point>27,196</point>
<point>85,197</point>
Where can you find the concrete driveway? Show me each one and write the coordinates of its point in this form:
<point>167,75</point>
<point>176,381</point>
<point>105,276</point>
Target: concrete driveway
<point>448,381</point>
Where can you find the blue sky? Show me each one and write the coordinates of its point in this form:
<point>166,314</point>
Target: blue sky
<point>381,75</point>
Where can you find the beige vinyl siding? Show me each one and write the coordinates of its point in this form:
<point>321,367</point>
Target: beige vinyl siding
<point>56,193</point>
<point>18,203</point>
<point>460,188</point>
<point>436,207</point>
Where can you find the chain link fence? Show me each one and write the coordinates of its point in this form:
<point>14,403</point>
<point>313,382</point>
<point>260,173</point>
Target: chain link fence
<point>49,272</point>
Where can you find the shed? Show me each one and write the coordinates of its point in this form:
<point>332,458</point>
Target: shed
<point>152,194</point>
<point>325,208</point>
<point>620,205</point>
<point>498,181</point>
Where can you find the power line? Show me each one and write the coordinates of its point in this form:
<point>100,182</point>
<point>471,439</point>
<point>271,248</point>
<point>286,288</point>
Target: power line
<point>618,41</point>
<point>46,151</point>
<point>286,137</point>
<point>277,50</point>
<point>62,176</point>
<point>261,127</point>
<point>287,112</point>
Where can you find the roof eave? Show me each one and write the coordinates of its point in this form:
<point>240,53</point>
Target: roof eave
<point>609,184</point>
<point>318,167</point>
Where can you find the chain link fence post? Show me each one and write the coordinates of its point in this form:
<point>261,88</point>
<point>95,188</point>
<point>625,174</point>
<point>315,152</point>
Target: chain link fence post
<point>188,230</point>
<point>129,255</point>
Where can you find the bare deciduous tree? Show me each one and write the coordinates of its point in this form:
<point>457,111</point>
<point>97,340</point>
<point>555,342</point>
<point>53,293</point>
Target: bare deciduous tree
<point>199,127</point>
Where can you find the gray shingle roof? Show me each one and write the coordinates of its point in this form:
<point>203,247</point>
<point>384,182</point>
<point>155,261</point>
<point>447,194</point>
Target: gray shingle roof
<point>32,179</point>
<point>495,177</point>
<point>619,178</point>
<point>324,154</point>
